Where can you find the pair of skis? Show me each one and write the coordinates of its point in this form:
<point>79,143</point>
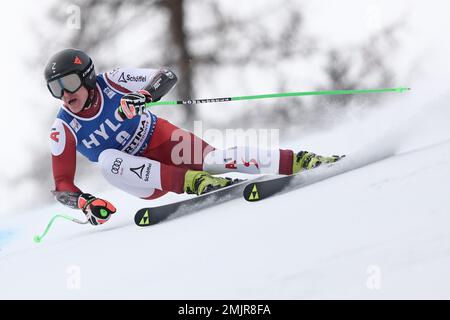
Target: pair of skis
<point>252,190</point>
<point>152,215</point>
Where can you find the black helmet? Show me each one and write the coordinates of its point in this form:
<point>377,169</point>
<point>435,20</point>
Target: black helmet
<point>68,70</point>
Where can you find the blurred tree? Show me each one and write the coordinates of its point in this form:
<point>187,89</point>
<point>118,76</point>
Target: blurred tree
<point>366,64</point>
<point>236,40</point>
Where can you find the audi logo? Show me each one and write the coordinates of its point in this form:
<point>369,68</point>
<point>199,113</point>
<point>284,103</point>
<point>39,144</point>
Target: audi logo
<point>116,165</point>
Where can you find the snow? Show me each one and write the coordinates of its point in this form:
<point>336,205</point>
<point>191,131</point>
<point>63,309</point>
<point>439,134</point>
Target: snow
<point>378,232</point>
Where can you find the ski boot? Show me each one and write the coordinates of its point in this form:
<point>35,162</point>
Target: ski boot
<point>305,160</point>
<point>201,182</point>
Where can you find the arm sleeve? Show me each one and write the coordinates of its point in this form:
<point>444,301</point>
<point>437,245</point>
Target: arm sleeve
<point>63,147</point>
<point>128,80</point>
<point>156,81</point>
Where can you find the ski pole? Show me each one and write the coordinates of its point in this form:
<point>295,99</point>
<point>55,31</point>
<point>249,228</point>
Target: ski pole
<point>277,95</point>
<point>38,238</point>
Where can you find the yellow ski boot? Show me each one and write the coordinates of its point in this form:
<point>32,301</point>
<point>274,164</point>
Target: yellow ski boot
<point>305,160</point>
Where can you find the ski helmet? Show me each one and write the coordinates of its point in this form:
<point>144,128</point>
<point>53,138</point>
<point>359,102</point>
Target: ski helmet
<point>68,70</point>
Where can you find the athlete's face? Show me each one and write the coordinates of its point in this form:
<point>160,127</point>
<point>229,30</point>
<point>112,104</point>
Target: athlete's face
<point>75,101</point>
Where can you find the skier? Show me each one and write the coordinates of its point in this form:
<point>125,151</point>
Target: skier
<point>103,117</point>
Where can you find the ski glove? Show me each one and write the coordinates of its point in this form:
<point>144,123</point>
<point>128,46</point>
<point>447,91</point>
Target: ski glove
<point>133,104</point>
<point>97,210</point>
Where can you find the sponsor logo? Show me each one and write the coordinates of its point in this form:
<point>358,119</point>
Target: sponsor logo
<point>131,142</point>
<point>57,137</point>
<point>169,74</point>
<point>206,100</point>
<point>102,133</point>
<point>76,126</point>
<point>139,171</point>
<point>131,78</point>
<point>88,70</point>
<point>252,161</point>
<point>137,139</point>
<point>147,172</point>
<point>122,78</point>
<point>109,92</point>
<point>54,135</point>
<point>231,165</point>
<point>114,71</point>
<point>77,60</point>
<point>54,67</point>
<point>145,219</point>
<point>254,195</point>
<point>157,83</point>
<point>116,165</point>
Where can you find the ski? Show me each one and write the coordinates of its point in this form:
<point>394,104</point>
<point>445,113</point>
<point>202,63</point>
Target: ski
<point>152,215</point>
<point>260,190</point>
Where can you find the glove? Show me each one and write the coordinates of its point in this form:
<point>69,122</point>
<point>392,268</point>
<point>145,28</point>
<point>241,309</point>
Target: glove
<point>133,104</point>
<point>97,210</point>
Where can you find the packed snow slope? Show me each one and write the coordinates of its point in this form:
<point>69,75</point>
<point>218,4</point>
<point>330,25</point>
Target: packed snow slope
<point>381,231</point>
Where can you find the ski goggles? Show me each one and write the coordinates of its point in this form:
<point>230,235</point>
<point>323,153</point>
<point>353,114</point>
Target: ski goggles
<point>70,83</point>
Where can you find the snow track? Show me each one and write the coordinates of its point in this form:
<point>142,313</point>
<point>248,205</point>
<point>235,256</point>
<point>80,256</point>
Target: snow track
<point>382,231</point>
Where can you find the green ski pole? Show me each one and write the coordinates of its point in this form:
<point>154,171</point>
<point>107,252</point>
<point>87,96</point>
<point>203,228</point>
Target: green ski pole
<point>277,95</point>
<point>38,238</point>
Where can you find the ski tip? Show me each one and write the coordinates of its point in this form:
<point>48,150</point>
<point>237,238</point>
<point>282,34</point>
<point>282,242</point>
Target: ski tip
<point>251,193</point>
<point>142,218</point>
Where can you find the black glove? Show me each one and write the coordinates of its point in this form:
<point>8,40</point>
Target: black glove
<point>133,104</point>
<point>97,210</point>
